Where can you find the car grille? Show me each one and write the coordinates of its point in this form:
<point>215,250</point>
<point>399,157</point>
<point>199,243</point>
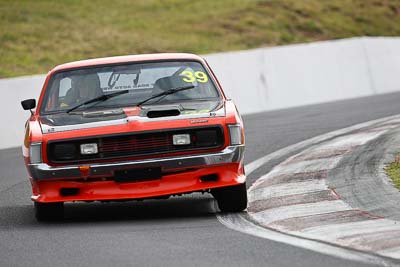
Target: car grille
<point>138,144</point>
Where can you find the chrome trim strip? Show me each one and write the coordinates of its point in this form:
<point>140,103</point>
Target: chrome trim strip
<point>54,129</point>
<point>180,117</point>
<point>230,154</point>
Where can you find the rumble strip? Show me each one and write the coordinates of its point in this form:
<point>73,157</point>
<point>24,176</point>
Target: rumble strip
<point>293,201</point>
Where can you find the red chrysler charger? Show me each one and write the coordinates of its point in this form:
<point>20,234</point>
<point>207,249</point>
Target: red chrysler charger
<point>133,127</point>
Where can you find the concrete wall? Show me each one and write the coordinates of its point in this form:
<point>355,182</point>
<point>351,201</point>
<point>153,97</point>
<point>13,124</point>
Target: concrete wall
<point>13,116</point>
<point>263,79</point>
<point>287,76</point>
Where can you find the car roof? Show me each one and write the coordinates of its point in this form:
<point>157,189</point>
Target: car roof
<point>126,59</point>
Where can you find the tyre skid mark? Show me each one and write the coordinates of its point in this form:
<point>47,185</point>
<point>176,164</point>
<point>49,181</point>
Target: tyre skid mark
<point>300,210</point>
<point>391,252</point>
<point>380,239</point>
<point>314,165</point>
<point>297,177</point>
<point>312,197</point>
<point>302,223</point>
<point>320,154</point>
<point>282,190</point>
<point>336,232</point>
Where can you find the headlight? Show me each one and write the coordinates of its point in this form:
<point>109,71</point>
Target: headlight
<point>235,134</point>
<point>64,151</point>
<point>207,138</point>
<point>89,149</point>
<point>35,153</point>
<point>181,139</point>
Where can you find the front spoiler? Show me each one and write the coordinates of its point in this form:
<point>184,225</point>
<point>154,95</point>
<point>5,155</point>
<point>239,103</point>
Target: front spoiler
<point>43,171</point>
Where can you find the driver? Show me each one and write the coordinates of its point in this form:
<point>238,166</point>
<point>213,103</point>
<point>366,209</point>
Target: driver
<point>82,89</point>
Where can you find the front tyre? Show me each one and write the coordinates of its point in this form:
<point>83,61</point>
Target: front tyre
<point>49,211</point>
<point>232,198</point>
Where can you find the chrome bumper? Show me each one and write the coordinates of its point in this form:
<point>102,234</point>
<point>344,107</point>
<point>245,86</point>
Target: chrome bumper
<point>228,155</point>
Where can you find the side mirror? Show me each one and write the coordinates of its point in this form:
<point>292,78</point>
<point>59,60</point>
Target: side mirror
<point>28,104</point>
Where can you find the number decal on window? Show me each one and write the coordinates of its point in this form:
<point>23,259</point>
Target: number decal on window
<point>201,77</point>
<point>190,77</point>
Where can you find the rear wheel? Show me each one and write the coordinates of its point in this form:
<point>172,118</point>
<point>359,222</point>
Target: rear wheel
<point>232,198</point>
<point>49,211</point>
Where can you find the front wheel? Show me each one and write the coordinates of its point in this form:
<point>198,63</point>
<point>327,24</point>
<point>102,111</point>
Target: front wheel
<point>49,211</point>
<point>232,198</point>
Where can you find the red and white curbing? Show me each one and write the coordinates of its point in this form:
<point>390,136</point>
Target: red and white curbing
<point>294,197</point>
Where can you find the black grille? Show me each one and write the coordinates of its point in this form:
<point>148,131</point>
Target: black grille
<point>139,144</point>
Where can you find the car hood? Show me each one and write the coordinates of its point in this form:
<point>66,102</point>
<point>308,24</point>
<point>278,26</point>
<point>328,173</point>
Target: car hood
<point>60,122</point>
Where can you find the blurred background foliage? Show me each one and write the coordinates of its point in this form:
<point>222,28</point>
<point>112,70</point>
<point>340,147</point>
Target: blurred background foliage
<point>37,35</point>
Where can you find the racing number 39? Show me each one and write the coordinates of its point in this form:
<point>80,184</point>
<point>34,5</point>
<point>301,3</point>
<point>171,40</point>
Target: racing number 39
<point>190,77</point>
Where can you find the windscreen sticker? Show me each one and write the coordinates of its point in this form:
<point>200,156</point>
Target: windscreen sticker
<point>190,76</point>
<point>128,87</point>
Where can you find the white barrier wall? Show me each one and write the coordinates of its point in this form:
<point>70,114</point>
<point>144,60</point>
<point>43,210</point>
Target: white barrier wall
<point>13,116</point>
<point>287,76</point>
<point>263,79</point>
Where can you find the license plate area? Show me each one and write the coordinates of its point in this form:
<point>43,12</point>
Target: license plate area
<point>137,175</point>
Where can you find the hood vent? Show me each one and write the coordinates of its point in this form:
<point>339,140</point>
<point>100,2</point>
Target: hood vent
<point>163,113</point>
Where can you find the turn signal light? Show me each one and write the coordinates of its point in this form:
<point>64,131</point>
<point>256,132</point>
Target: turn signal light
<point>84,170</point>
<point>235,134</point>
<point>35,153</point>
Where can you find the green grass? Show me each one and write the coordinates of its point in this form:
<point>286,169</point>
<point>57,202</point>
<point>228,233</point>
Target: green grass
<point>37,35</point>
<point>393,171</point>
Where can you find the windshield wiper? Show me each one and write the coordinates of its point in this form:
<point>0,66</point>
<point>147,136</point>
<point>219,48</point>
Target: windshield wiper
<point>100,98</point>
<point>165,93</point>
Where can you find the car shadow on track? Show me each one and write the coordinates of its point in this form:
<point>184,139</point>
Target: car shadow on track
<point>175,208</point>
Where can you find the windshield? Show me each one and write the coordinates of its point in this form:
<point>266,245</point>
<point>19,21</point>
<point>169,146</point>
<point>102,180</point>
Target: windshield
<point>141,81</point>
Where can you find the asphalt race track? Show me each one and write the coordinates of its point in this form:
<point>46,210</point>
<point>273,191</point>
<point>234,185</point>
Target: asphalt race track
<point>180,231</point>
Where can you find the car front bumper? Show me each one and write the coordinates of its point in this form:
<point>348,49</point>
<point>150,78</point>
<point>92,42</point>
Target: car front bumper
<point>179,175</point>
<point>230,154</point>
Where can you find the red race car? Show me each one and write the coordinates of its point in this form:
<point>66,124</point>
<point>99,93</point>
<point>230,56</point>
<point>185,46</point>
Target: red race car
<point>133,127</point>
